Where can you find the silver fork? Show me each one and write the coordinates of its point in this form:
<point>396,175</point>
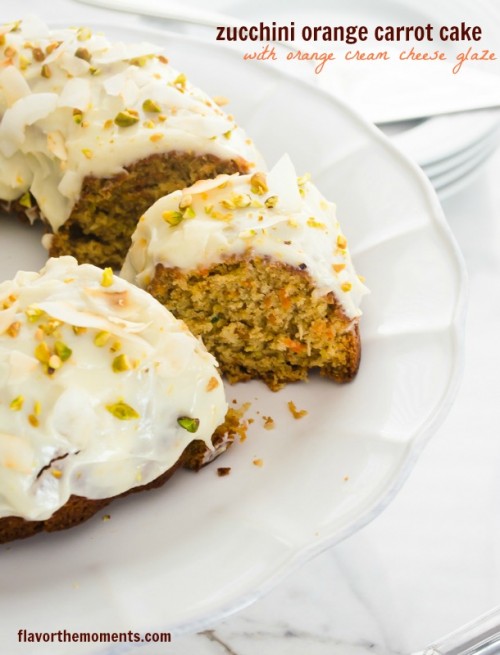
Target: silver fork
<point>479,637</point>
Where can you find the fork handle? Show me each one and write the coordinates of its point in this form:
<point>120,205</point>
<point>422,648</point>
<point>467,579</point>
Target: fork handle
<point>479,637</point>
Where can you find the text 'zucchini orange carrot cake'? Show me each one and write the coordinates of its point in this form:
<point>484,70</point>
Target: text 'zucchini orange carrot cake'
<point>102,392</point>
<point>258,266</point>
<point>93,132</point>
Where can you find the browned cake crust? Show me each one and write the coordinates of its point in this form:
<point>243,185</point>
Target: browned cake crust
<point>78,509</point>
<point>104,218</point>
<point>260,319</point>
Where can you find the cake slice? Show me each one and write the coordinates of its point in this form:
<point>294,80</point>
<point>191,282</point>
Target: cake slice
<point>259,268</point>
<point>93,132</point>
<point>103,392</point>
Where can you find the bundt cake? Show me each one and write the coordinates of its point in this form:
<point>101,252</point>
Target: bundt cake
<point>93,132</point>
<point>258,267</point>
<point>102,392</point>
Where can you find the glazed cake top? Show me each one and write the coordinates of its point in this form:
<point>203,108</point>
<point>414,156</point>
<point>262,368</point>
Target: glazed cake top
<point>101,388</point>
<point>276,215</point>
<point>73,104</point>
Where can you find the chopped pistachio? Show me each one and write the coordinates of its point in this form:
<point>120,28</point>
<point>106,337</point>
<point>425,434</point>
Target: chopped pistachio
<point>25,200</point>
<point>338,267</point>
<point>140,61</point>
<point>149,125</point>
<point>107,277</point>
<point>116,346</point>
<point>57,473</point>
<point>271,202</point>
<point>101,339</point>
<point>83,34</point>
<point>303,179</point>
<point>126,118</point>
<point>341,242</point>
<point>38,54</point>
<point>37,409</point>
<point>121,363</point>
<point>83,53</point>
<point>52,46</point>
<point>312,222</point>
<point>46,72</point>
<point>88,153</point>
<point>9,301</point>
<point>78,116</point>
<point>227,135</point>
<point>180,81</point>
<point>17,404</point>
<point>42,353</point>
<point>157,136</point>
<point>189,213</point>
<point>51,326</point>
<point>151,106</point>
<point>237,201</point>
<point>220,216</point>
<point>14,329</point>
<point>242,200</point>
<point>94,71</point>
<point>188,423</point>
<point>208,209</point>
<point>122,411</point>
<point>24,62</point>
<point>79,330</point>
<point>258,184</point>
<point>16,26</point>
<point>172,217</point>
<point>62,350</point>
<point>162,59</point>
<point>33,420</point>
<point>108,124</point>
<point>2,39</point>
<point>347,286</point>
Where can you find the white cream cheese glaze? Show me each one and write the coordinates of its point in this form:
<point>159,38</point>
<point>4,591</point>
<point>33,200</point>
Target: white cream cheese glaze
<point>278,216</point>
<point>63,94</point>
<point>99,388</point>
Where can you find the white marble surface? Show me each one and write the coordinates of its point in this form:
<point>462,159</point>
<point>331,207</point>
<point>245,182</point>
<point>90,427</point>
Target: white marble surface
<point>431,561</point>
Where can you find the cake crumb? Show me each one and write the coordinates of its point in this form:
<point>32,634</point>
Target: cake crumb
<point>269,423</point>
<point>346,478</point>
<point>258,462</point>
<point>106,517</point>
<point>296,413</point>
<point>222,471</point>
